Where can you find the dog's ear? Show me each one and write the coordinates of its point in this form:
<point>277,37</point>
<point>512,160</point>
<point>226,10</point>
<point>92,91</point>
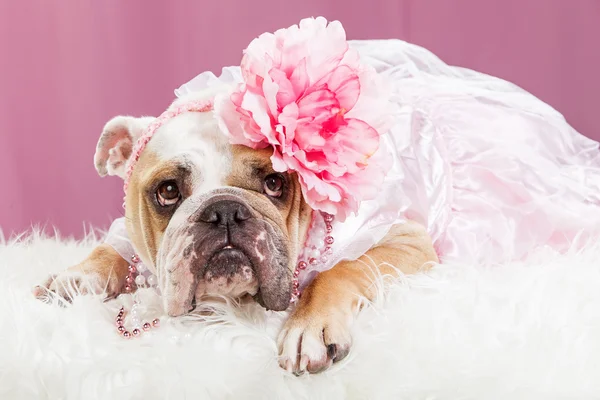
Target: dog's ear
<point>116,143</point>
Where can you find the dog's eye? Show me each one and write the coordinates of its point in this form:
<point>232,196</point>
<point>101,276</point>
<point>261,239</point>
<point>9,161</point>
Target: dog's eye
<point>168,194</point>
<point>273,185</point>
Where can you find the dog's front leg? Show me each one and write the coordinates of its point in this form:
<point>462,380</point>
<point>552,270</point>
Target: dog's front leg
<point>103,272</point>
<point>318,331</point>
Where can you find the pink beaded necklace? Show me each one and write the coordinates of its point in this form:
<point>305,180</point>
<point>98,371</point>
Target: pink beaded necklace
<point>140,281</point>
<point>317,248</point>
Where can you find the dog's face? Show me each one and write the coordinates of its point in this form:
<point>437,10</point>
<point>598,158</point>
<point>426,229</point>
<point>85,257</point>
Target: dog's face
<point>209,217</point>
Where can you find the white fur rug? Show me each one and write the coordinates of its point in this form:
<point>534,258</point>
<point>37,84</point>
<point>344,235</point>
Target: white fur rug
<point>520,331</point>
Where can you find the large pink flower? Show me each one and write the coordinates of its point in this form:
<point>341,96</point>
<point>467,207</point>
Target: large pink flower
<point>306,94</point>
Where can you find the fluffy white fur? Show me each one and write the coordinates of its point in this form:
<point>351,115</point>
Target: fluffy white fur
<point>520,331</point>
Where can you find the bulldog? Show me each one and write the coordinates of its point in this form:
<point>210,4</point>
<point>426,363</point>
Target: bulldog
<point>276,189</point>
<point>208,218</point>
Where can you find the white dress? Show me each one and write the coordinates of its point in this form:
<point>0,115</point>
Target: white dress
<point>489,169</point>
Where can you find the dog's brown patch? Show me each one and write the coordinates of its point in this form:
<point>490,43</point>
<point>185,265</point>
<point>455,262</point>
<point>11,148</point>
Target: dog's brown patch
<point>146,220</point>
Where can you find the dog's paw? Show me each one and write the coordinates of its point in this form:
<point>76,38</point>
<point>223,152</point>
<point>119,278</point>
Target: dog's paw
<point>69,284</point>
<point>312,342</point>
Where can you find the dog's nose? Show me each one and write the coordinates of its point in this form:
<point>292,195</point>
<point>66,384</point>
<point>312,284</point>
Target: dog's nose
<point>225,212</point>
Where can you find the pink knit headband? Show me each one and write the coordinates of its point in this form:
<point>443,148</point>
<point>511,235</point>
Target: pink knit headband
<point>192,106</point>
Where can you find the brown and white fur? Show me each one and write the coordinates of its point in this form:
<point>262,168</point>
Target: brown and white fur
<point>228,233</point>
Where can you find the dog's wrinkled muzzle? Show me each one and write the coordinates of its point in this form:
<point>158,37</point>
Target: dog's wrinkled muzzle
<point>224,248</point>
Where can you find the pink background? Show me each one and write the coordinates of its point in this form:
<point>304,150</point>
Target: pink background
<point>68,66</point>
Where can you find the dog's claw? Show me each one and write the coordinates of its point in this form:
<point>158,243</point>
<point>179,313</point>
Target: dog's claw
<point>332,351</point>
<point>303,364</point>
<point>286,364</point>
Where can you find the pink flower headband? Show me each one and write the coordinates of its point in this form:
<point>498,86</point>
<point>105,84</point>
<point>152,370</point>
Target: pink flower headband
<point>192,106</point>
<point>307,95</point>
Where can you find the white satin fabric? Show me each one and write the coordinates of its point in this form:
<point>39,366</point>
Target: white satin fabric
<point>490,170</point>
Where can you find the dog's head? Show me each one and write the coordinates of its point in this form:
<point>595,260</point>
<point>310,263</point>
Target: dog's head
<point>209,217</point>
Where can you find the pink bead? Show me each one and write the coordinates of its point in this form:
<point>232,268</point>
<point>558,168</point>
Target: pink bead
<point>313,261</point>
<point>329,240</point>
<point>128,288</point>
<point>136,332</point>
<point>135,259</point>
<point>129,279</point>
<point>132,269</point>
<point>302,265</point>
<point>121,328</point>
<point>119,321</point>
<point>296,273</point>
<point>328,217</point>
<point>156,322</point>
<point>329,228</point>
<point>296,284</point>
<point>122,309</point>
<point>126,335</point>
<point>146,326</point>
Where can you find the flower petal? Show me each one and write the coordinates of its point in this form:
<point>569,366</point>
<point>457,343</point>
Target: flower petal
<point>320,104</point>
<point>232,123</point>
<point>344,82</point>
<point>308,137</point>
<point>354,142</point>
<point>286,129</point>
<point>285,90</point>
<point>257,108</point>
<point>326,46</point>
<point>299,79</point>
<point>278,162</point>
<point>270,89</point>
